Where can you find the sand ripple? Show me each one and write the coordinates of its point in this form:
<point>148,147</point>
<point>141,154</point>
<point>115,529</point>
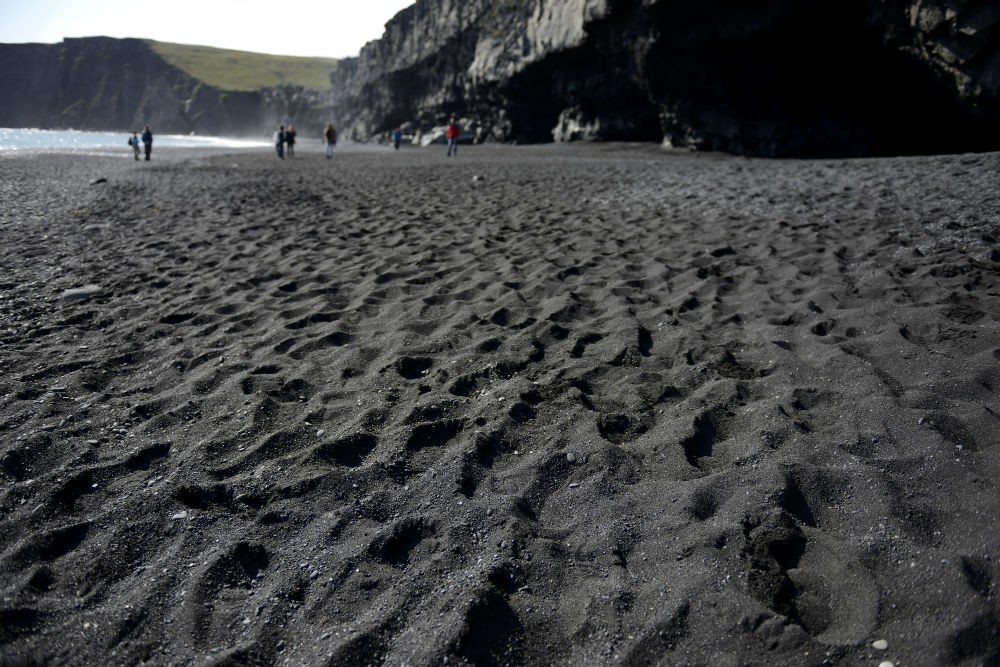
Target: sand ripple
<point>593,406</point>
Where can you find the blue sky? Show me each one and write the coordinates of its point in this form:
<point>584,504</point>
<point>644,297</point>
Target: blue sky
<point>330,28</point>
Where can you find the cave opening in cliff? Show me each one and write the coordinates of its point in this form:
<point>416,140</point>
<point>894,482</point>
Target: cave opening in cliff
<point>580,88</point>
<point>805,80</point>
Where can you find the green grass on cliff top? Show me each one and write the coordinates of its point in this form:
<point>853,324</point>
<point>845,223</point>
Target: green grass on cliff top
<point>243,70</point>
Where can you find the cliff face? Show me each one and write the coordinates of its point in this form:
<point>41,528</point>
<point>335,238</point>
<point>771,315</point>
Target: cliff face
<point>98,83</point>
<point>778,77</point>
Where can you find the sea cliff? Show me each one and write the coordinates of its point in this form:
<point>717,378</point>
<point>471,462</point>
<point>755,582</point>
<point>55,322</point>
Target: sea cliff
<point>859,77</point>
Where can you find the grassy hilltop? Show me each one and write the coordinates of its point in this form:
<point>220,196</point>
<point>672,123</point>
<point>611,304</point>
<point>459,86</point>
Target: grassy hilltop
<point>243,70</point>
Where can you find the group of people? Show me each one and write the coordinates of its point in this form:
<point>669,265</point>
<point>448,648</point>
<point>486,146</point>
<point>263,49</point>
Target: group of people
<point>284,141</point>
<point>146,141</point>
<point>451,134</point>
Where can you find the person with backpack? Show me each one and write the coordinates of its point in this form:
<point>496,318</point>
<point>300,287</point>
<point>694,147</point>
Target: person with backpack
<point>451,134</point>
<point>134,143</point>
<point>329,139</point>
<point>147,141</point>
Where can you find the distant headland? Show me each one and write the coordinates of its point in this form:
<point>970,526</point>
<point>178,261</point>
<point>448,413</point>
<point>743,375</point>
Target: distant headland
<point>100,83</point>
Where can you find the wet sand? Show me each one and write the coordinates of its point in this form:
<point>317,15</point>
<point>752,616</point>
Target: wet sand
<point>578,405</point>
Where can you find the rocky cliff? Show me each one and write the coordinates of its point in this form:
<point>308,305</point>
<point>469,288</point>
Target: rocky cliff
<point>774,77</point>
<point>98,83</point>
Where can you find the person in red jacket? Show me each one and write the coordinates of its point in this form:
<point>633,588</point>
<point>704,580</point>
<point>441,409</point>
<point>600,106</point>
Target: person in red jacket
<point>451,134</point>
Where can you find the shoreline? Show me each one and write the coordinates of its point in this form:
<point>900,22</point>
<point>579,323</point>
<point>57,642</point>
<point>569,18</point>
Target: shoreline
<point>307,146</point>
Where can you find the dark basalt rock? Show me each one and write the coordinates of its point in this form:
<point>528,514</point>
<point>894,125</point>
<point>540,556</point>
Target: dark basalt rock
<point>773,77</point>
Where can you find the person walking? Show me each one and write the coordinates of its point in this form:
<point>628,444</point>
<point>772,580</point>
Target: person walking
<point>451,134</point>
<point>147,142</point>
<point>279,142</point>
<point>329,139</point>
<point>290,141</point>
<point>134,143</point>
<point>397,136</point>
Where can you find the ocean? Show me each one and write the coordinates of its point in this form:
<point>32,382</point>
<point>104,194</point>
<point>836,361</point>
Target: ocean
<point>32,140</point>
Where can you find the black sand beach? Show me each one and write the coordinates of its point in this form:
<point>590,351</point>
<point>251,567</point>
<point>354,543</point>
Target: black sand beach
<point>581,405</point>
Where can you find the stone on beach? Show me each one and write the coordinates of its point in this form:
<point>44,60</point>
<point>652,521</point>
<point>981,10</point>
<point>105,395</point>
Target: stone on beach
<point>82,293</point>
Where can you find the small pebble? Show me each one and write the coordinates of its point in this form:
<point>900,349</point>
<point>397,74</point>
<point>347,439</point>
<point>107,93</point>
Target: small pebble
<point>571,457</point>
<point>886,663</point>
<point>574,485</point>
<point>179,515</point>
<point>880,645</point>
<point>320,433</point>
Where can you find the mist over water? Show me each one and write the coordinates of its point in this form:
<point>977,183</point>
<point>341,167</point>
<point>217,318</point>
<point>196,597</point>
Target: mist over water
<point>20,139</point>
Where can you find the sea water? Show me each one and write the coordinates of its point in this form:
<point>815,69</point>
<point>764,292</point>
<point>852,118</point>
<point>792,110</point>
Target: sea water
<point>18,139</point>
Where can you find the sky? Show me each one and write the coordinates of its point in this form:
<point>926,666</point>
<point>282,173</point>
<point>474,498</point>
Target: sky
<point>327,28</point>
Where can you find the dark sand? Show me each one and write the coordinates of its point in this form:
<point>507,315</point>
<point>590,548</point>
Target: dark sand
<point>556,405</point>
